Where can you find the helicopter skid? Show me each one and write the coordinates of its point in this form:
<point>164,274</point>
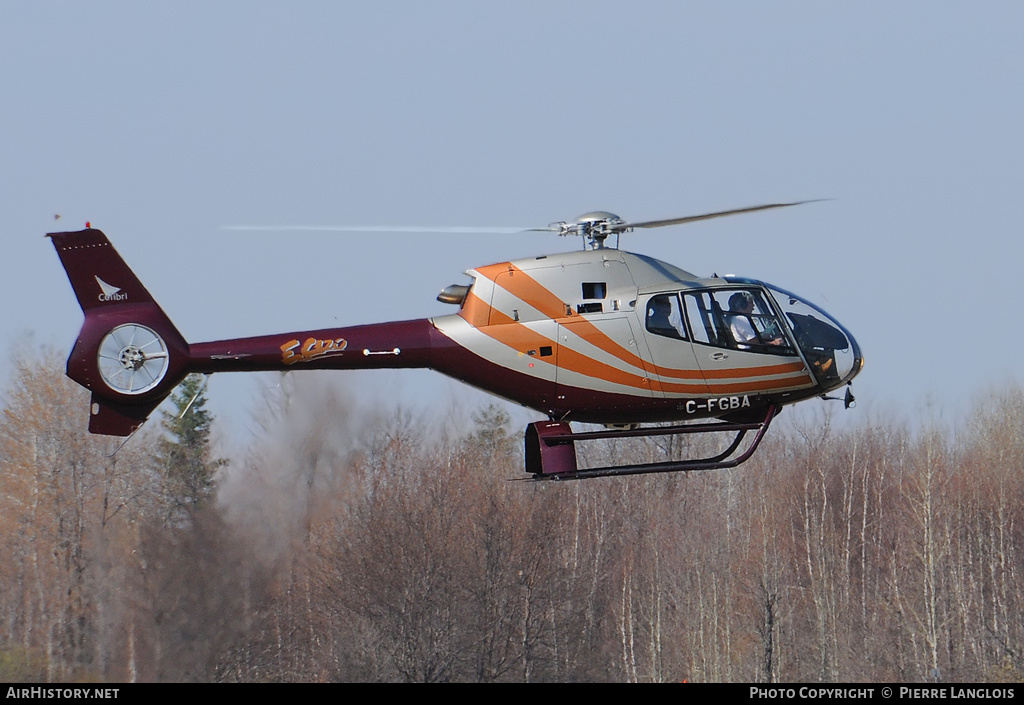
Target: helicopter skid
<point>551,449</point>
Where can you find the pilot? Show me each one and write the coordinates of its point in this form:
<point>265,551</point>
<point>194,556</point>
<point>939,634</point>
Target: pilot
<point>741,308</point>
<point>741,305</point>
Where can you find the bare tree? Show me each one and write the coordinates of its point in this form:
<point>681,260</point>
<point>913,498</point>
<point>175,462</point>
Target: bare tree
<point>68,504</point>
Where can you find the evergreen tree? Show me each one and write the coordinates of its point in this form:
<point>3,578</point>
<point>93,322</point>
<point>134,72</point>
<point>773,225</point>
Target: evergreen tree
<point>183,453</point>
<point>492,434</point>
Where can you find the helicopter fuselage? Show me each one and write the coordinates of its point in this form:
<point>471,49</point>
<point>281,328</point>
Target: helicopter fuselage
<point>608,336</point>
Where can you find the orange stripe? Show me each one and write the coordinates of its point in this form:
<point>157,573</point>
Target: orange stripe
<point>516,335</point>
<point>520,338</point>
<point>528,290</point>
<point>761,386</point>
<point>755,371</point>
<point>475,311</point>
<point>493,270</point>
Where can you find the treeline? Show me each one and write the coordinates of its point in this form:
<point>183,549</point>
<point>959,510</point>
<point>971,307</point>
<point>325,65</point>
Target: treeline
<point>347,546</point>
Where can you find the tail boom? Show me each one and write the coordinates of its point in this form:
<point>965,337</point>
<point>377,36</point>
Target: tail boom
<point>380,345</point>
<point>130,355</point>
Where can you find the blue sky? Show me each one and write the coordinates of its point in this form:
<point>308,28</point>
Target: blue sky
<point>162,123</point>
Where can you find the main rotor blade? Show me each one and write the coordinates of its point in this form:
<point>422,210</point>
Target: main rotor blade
<point>457,230</point>
<point>706,216</point>
<point>560,228</point>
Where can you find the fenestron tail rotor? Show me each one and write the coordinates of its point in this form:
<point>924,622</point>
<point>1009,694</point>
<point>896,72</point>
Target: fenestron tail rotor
<point>132,359</point>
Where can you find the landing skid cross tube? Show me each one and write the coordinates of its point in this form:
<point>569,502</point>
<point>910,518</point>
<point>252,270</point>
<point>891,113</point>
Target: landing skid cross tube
<point>551,449</point>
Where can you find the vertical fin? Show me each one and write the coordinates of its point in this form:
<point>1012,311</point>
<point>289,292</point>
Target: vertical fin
<point>97,273</point>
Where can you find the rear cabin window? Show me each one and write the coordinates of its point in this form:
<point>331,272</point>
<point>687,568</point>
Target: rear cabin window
<point>664,317</point>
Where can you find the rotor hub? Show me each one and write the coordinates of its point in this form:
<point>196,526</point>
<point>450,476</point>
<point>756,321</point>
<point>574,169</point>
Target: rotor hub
<point>594,227</point>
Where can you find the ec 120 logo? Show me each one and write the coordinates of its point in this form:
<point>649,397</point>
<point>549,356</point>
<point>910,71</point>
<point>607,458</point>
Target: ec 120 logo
<point>311,349</point>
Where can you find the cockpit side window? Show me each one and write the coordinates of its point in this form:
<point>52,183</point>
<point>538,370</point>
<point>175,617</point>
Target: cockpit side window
<point>706,326</point>
<point>664,317</point>
<point>740,319</point>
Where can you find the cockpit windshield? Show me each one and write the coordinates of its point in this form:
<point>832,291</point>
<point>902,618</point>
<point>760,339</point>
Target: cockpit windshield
<point>831,351</point>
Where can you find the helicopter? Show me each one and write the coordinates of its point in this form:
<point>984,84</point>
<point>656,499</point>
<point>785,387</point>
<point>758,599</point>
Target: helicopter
<point>597,336</point>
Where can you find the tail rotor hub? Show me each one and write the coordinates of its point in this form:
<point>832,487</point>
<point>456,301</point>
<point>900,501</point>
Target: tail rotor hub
<point>132,358</point>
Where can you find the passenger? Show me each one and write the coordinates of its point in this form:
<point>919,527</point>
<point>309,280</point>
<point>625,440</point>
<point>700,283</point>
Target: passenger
<point>658,313</point>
